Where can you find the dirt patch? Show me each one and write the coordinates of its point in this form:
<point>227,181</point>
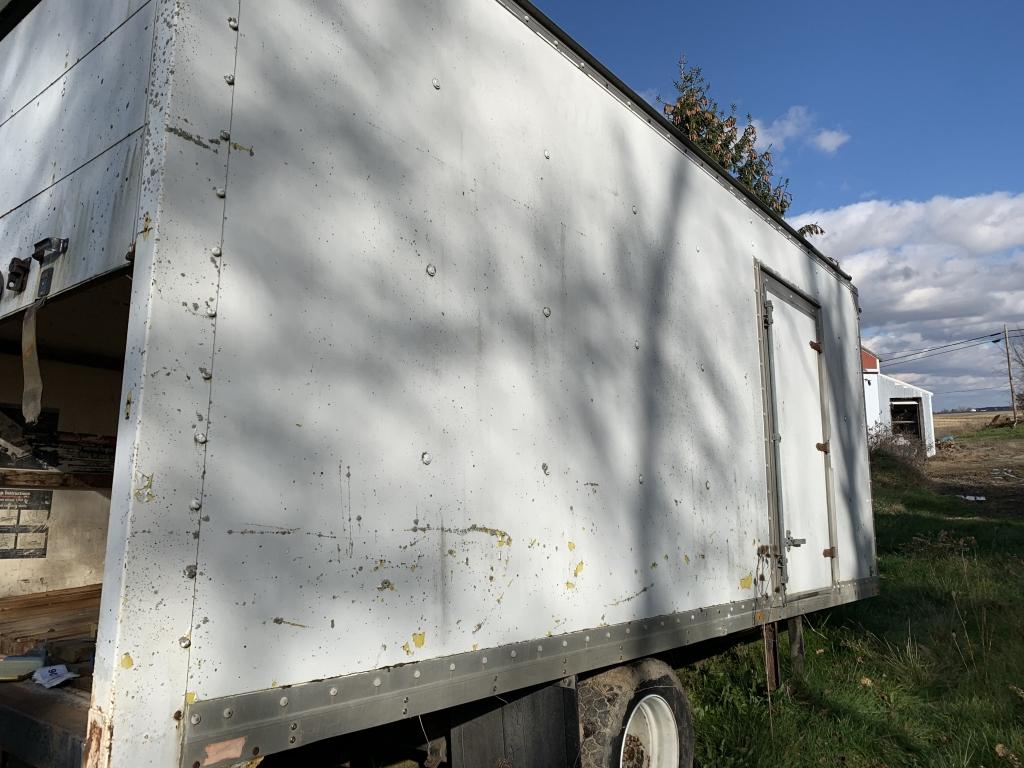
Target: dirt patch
<point>989,467</point>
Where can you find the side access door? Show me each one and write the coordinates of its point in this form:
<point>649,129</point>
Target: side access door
<point>799,465</point>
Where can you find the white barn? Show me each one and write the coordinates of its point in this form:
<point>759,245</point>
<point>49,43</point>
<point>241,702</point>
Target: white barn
<point>896,405</point>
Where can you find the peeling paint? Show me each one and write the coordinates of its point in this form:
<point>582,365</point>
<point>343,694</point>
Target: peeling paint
<point>190,697</point>
<point>126,661</point>
<point>572,546</point>
<point>419,638</point>
<point>747,581</point>
<point>578,569</point>
<point>570,585</point>
<point>144,487</point>
<point>406,648</point>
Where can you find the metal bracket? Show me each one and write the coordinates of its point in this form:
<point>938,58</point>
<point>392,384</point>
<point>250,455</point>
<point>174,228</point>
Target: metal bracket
<point>831,552</point>
<point>823,447</point>
<point>49,248</point>
<point>791,542</point>
<point>17,274</point>
<point>768,310</point>
<point>816,346</point>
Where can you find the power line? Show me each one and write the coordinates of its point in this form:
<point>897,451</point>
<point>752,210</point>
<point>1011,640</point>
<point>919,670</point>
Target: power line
<point>975,389</point>
<point>906,352</point>
<point>914,359</point>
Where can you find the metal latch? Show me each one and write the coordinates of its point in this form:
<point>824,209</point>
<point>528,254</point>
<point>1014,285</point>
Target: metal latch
<point>768,309</point>
<point>46,252</point>
<point>791,542</point>
<point>17,274</point>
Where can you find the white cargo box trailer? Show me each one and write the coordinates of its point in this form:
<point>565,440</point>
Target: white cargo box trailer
<point>439,367</point>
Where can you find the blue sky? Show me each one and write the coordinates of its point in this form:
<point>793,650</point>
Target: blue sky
<point>899,125</point>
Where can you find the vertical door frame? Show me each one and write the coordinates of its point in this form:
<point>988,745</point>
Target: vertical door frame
<point>767,279</point>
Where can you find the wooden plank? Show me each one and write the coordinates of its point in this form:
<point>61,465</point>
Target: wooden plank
<point>479,743</point>
<point>35,479</point>
<point>27,620</point>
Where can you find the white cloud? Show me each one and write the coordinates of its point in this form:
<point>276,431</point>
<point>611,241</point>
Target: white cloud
<point>829,141</point>
<point>931,273</point>
<point>798,123</point>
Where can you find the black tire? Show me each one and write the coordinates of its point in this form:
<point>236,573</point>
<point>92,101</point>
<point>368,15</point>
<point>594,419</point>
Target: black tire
<point>607,700</point>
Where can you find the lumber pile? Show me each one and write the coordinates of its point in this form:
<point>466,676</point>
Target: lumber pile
<point>26,621</point>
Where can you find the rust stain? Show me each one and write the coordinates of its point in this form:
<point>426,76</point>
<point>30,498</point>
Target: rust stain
<point>191,137</point>
<point>626,599</point>
<point>503,537</point>
<point>147,226</point>
<point>758,617</point>
<point>96,750</point>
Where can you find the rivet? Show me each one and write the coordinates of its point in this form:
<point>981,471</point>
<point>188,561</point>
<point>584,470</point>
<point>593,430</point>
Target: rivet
<point>514,654</point>
<point>641,479</point>
<point>426,458</point>
<point>283,701</point>
<point>540,649</point>
<point>636,344</point>
<point>220,192</point>
<point>291,739</point>
<point>233,22</point>
<point>431,270</point>
<point>228,712</point>
<point>195,505</point>
<point>216,251</point>
<point>225,135</point>
<point>565,643</point>
<point>628,630</point>
<point>547,311</point>
<point>184,642</point>
<point>451,667</point>
<point>229,79</point>
<point>547,155</point>
<point>293,727</point>
<point>416,674</point>
<point>405,710</point>
<point>484,660</point>
<point>200,438</point>
<point>436,83</point>
<point>586,639</point>
<point>635,211</point>
<point>376,682</point>
<point>333,691</point>
<point>196,718</point>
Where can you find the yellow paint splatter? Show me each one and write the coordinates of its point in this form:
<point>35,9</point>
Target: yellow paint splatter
<point>578,569</point>
<point>572,546</point>
<point>570,585</point>
<point>126,661</point>
<point>686,559</point>
<point>419,638</point>
<point>476,646</point>
<point>190,697</point>
<point>747,581</point>
<point>407,649</point>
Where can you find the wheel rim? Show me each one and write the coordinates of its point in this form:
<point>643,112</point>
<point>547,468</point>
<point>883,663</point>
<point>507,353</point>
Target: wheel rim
<point>651,739</point>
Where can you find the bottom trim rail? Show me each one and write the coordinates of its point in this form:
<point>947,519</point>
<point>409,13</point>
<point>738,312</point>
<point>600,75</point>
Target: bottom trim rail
<point>222,731</point>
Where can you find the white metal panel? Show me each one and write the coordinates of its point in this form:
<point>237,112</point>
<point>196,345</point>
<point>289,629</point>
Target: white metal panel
<point>54,37</point>
<point>143,647</point>
<point>70,160</point>
<point>893,389</point>
<point>410,455</point>
<point>803,492</point>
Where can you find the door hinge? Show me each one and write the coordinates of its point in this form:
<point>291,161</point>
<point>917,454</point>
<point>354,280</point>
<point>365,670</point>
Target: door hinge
<point>767,316</point>
<point>831,552</point>
<point>823,447</point>
<point>816,346</point>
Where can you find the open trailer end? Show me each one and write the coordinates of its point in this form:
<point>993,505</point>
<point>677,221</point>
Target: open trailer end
<point>412,370</point>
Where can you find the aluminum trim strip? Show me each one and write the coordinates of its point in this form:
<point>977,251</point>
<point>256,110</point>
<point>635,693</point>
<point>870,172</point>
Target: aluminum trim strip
<point>278,719</point>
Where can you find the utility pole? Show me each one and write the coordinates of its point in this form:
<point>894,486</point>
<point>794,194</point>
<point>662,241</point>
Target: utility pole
<point>1009,373</point>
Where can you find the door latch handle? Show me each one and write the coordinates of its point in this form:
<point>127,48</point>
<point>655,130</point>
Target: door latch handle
<point>791,542</point>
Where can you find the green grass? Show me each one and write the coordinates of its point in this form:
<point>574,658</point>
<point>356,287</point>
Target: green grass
<point>930,673</point>
<point>994,433</point>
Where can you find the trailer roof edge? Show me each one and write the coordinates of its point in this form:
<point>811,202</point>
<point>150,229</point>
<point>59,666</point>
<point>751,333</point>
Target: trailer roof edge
<point>563,37</point>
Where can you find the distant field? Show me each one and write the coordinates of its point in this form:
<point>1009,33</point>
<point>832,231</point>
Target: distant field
<point>959,423</point>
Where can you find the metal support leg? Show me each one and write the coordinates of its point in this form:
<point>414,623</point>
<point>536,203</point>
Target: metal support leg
<point>796,644</point>
<point>771,655</point>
